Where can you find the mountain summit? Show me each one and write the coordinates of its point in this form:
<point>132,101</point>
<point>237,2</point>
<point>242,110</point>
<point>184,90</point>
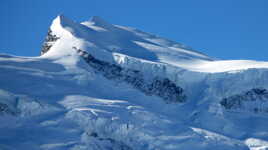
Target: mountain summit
<point>103,38</point>
<point>98,34</point>
<point>100,86</point>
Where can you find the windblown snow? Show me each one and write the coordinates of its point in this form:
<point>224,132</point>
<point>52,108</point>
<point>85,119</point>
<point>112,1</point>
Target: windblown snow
<point>99,86</point>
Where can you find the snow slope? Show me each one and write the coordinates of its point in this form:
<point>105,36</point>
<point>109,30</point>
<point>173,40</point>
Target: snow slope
<point>101,86</point>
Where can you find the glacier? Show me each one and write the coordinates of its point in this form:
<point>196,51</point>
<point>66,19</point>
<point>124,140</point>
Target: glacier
<point>100,86</point>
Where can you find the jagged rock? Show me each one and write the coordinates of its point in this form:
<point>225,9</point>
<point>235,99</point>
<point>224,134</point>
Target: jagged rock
<point>254,100</point>
<point>4,109</point>
<point>49,41</point>
<point>110,143</point>
<point>158,86</point>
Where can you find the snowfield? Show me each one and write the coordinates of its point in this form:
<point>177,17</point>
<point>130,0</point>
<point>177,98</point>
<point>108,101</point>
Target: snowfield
<point>99,86</point>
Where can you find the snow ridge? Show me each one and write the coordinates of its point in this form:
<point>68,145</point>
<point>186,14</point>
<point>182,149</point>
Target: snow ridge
<point>161,87</point>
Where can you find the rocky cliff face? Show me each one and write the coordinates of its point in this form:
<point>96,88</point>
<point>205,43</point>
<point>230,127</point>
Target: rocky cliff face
<point>158,86</point>
<point>254,100</point>
<point>49,41</point>
<point>5,109</point>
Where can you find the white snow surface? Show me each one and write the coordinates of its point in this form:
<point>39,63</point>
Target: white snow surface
<point>64,104</point>
<point>97,34</point>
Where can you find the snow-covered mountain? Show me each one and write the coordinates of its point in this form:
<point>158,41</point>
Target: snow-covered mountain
<point>99,86</point>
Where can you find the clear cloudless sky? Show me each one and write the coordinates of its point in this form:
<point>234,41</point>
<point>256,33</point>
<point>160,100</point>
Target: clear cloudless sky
<point>225,29</point>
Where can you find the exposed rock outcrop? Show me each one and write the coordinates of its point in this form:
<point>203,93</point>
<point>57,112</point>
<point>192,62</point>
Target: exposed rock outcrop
<point>49,42</point>
<point>5,109</point>
<point>157,86</point>
<point>110,143</point>
<point>254,100</point>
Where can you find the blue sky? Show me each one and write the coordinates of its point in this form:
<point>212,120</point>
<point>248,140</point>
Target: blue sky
<point>227,29</point>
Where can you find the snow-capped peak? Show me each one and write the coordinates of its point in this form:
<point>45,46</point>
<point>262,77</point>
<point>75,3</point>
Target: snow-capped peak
<point>102,38</point>
<point>100,35</point>
<point>62,26</point>
<point>63,20</point>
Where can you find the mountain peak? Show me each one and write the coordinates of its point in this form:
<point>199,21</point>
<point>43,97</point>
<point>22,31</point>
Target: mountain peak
<point>63,21</point>
<point>61,17</point>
